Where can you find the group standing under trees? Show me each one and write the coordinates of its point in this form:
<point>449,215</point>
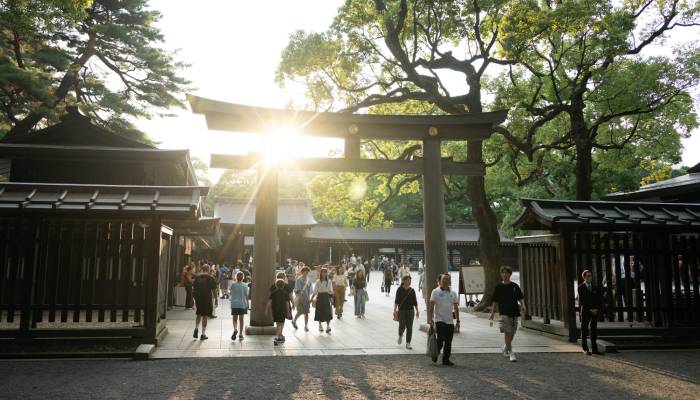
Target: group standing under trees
<point>578,77</point>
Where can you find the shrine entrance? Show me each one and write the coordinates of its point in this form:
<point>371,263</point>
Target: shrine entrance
<point>430,131</point>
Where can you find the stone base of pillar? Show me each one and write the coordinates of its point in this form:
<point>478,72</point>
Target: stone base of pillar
<point>260,330</point>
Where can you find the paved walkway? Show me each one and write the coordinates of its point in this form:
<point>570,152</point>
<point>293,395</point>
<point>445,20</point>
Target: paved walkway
<point>377,334</point>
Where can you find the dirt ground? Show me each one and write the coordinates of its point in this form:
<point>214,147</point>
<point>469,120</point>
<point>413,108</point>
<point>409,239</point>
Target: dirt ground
<point>644,375</point>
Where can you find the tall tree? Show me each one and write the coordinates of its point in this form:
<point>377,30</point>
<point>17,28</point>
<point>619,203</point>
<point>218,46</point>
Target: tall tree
<point>379,52</point>
<point>579,79</point>
<point>102,55</point>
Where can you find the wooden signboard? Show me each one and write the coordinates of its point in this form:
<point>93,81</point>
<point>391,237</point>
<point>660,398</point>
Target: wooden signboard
<point>473,279</point>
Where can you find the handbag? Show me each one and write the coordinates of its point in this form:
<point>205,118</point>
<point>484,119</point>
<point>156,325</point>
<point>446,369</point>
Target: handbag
<point>396,314</point>
<point>431,349</point>
<point>365,295</point>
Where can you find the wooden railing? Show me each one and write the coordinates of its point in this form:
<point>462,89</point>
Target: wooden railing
<point>79,277</point>
<point>645,277</point>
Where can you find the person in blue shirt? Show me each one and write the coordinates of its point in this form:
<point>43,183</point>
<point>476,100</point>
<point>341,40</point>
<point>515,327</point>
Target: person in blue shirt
<point>240,296</point>
<point>303,289</point>
<point>224,278</point>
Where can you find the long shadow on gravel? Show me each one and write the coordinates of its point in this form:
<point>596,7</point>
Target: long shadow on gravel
<point>646,375</point>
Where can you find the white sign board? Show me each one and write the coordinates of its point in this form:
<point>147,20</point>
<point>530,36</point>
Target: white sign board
<point>473,279</point>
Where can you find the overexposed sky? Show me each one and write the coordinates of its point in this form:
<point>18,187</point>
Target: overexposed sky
<point>233,47</point>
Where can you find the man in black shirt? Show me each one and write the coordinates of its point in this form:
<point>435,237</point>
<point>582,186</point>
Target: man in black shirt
<point>509,298</point>
<point>204,286</point>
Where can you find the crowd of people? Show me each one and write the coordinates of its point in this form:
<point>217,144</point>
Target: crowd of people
<point>294,294</point>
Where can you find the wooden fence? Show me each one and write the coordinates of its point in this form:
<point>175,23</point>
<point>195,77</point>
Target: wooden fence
<point>81,277</point>
<point>645,277</point>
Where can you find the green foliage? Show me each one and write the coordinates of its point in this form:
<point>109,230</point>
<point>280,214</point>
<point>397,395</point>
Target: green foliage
<point>102,55</point>
<point>575,80</point>
<point>578,79</point>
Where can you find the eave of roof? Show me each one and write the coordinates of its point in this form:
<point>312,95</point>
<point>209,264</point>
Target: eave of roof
<point>241,212</point>
<point>679,185</point>
<point>172,202</point>
<point>592,215</point>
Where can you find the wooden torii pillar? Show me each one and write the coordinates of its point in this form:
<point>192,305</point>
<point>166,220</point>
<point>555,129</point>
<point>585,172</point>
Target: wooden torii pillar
<point>429,130</point>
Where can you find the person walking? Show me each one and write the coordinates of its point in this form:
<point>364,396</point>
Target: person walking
<point>388,279</point>
<point>224,280</point>
<point>204,287</point>
<point>404,303</point>
<point>239,295</point>
<point>509,299</point>
<point>340,282</point>
<point>303,289</point>
<point>186,280</point>
<point>590,302</point>
<point>360,288</point>
<point>321,299</point>
<point>404,272</point>
<point>441,312</point>
<point>278,308</point>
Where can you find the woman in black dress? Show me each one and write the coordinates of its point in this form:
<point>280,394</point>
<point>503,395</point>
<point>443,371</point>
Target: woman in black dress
<point>321,299</point>
<point>278,306</point>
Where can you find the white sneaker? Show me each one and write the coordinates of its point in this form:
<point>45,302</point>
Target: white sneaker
<point>504,351</point>
<point>512,357</point>
<point>408,346</point>
<point>400,339</point>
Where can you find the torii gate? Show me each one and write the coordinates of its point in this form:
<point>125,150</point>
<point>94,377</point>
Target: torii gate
<point>431,130</point>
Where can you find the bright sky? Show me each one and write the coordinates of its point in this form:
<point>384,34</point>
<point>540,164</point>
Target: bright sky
<point>234,48</point>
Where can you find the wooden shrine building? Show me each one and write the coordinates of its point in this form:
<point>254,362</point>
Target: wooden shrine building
<point>95,228</point>
<point>644,256</point>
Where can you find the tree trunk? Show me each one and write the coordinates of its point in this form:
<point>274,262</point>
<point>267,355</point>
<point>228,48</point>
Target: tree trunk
<point>584,154</point>
<point>487,223</point>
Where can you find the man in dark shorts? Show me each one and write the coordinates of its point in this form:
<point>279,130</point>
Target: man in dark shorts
<point>509,298</point>
<point>204,286</point>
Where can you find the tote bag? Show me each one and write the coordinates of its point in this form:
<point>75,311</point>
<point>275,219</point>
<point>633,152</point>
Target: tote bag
<point>431,349</point>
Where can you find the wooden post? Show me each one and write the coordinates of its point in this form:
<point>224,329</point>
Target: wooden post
<point>566,280</point>
<point>435,244</point>
<point>152,275</point>
<point>30,235</point>
<point>264,250</point>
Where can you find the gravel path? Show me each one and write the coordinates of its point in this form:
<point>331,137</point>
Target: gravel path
<point>646,375</point>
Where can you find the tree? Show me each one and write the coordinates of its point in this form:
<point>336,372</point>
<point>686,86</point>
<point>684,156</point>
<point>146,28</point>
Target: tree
<point>578,80</point>
<point>378,53</point>
<point>102,55</point>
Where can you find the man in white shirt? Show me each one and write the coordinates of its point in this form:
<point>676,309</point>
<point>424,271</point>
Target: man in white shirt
<point>444,305</point>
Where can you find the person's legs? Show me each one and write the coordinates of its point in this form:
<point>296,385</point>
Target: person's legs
<point>508,338</point>
<point>402,325</point>
<point>241,322</point>
<point>196,326</point>
<point>408,321</point>
<point>356,300</point>
<point>594,334</point>
<point>338,301</point>
<point>362,303</point>
<point>440,331</point>
<point>188,296</point>
<point>447,351</point>
<point>585,320</point>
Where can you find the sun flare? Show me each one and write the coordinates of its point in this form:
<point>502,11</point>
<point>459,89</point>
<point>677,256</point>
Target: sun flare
<point>279,146</point>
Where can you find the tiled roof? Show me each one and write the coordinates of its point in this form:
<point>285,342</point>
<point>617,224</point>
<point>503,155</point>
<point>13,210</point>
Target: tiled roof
<point>242,212</point>
<point>684,186</point>
<point>87,200</point>
<point>553,214</point>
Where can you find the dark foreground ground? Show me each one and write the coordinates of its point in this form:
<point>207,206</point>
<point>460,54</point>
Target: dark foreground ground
<point>648,375</point>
